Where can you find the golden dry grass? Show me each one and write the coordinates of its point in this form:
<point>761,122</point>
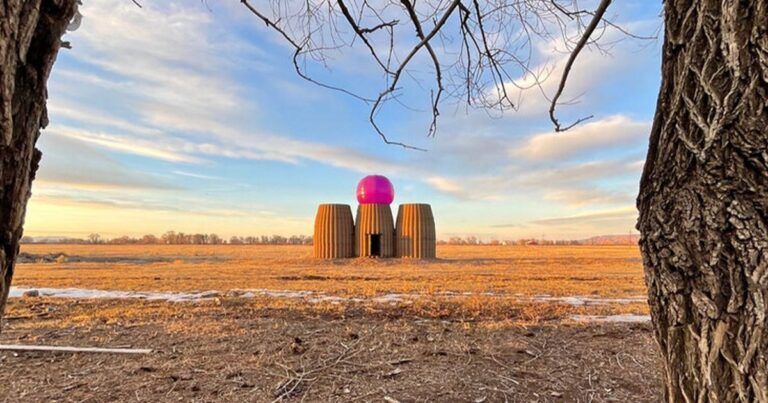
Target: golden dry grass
<point>605,271</point>
<point>430,347</point>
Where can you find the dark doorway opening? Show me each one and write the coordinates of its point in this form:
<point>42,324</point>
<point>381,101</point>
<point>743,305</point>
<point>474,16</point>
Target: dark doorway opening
<point>375,241</point>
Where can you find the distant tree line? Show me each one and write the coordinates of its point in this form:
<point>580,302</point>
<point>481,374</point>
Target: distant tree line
<point>473,240</point>
<point>630,239</point>
<point>175,238</point>
<point>180,238</point>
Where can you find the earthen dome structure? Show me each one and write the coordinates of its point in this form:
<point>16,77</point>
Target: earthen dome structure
<point>373,232</point>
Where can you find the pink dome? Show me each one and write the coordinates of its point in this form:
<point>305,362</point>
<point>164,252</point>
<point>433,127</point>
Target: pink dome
<point>375,189</point>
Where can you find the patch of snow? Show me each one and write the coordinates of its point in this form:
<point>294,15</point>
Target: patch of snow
<point>392,298</point>
<point>582,300</point>
<point>623,318</point>
<point>333,299</point>
<point>82,293</point>
<point>310,296</point>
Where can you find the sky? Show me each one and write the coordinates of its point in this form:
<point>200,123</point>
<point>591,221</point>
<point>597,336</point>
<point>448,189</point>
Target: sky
<point>188,116</point>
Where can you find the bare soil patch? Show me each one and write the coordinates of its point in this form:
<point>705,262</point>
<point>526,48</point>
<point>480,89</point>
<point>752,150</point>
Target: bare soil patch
<point>242,351</point>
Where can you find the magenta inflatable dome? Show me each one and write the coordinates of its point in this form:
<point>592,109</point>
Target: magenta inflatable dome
<point>375,189</point>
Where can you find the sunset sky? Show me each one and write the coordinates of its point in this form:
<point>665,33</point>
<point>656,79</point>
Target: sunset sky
<point>189,117</point>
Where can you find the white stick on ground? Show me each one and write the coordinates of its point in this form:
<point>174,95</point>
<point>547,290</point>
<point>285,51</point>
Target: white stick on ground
<point>20,347</point>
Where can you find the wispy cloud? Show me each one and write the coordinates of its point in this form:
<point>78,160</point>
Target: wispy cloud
<point>152,98</point>
<point>196,175</point>
<point>446,185</point>
<point>625,214</point>
<point>92,169</point>
<point>595,66</point>
<point>572,184</point>
<point>183,110</point>
<point>122,144</point>
<point>609,221</point>
<point>609,133</point>
<point>578,197</point>
<point>83,201</point>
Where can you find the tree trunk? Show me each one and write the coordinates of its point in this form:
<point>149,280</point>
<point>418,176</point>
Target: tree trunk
<point>30,33</point>
<point>704,202</point>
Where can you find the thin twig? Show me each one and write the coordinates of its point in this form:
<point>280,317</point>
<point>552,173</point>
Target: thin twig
<point>399,71</point>
<point>360,33</point>
<point>598,15</point>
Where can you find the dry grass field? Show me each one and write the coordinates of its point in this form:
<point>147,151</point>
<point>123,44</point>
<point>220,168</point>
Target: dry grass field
<point>268,323</point>
<point>608,271</point>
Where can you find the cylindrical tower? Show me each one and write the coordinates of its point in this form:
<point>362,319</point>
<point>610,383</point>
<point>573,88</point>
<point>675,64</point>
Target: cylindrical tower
<point>374,231</point>
<point>334,232</point>
<point>415,232</point>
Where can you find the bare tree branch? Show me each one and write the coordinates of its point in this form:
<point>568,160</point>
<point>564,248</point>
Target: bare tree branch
<point>361,33</point>
<point>488,67</point>
<point>438,71</point>
<point>596,18</point>
<point>299,49</point>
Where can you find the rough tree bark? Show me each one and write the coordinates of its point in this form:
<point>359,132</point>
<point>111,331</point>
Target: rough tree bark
<point>30,38</point>
<point>704,202</point>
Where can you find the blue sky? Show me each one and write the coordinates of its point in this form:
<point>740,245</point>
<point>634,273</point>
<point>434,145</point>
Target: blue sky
<point>190,117</point>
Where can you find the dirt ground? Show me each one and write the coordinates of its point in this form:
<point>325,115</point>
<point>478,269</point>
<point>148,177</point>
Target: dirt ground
<point>241,351</point>
<point>479,324</point>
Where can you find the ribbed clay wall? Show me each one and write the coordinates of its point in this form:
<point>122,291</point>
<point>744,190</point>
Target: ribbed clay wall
<point>374,221</point>
<point>334,236</point>
<point>415,232</point>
